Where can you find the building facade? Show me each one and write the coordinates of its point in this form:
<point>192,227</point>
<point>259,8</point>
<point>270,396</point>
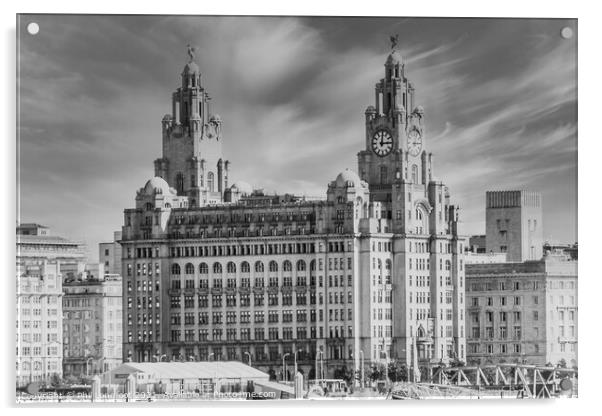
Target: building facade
<point>514,224</point>
<point>373,272</point>
<point>522,312</point>
<point>109,255</point>
<point>92,311</point>
<point>42,262</point>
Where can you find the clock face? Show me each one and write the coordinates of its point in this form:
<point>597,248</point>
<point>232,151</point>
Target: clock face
<point>414,142</point>
<point>382,143</point>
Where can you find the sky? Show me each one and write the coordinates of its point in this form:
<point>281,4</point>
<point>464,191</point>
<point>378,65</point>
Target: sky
<point>500,99</point>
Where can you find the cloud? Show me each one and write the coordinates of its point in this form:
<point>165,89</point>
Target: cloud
<point>500,98</point>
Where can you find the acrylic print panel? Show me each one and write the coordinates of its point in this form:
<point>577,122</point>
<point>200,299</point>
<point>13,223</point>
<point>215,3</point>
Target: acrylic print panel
<point>234,208</point>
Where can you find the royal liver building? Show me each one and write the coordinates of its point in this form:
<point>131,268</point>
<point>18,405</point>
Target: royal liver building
<point>220,271</point>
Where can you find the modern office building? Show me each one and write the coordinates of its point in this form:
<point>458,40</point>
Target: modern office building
<point>109,255</point>
<point>219,271</point>
<point>42,261</point>
<point>522,312</point>
<point>514,224</point>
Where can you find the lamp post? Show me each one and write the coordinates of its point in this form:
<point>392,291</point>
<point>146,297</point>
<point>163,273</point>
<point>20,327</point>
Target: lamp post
<point>284,366</point>
<point>362,367</point>
<point>87,368</point>
<point>321,364</point>
<point>249,355</point>
<point>386,364</point>
<point>215,371</point>
<point>296,351</point>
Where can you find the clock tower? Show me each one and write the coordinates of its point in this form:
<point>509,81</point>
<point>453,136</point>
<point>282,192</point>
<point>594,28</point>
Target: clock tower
<point>192,161</point>
<point>395,156</point>
<point>410,209</point>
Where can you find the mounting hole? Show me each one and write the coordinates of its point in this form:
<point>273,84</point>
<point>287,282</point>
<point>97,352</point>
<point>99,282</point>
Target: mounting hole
<point>33,28</point>
<point>566,32</point>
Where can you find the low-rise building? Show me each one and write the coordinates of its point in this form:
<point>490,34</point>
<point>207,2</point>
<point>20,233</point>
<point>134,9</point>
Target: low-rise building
<point>522,312</point>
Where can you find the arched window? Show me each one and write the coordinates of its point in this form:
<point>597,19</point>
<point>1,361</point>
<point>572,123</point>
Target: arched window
<point>421,221</point>
<point>287,266</point>
<point>175,268</point>
<point>301,265</point>
<point>189,268</point>
<point>244,267</point>
<point>259,267</point>
<point>447,265</point>
<point>231,267</point>
<point>414,174</point>
<point>420,332</point>
<point>312,265</point>
<point>217,268</point>
<point>180,183</point>
<point>273,266</point>
<point>203,268</point>
<point>383,174</point>
<point>388,264</point>
<point>149,206</point>
<point>210,181</point>
<point>380,264</point>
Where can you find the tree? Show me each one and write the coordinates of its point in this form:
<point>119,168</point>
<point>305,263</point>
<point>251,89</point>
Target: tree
<point>562,363</point>
<point>343,374</point>
<point>397,371</point>
<point>376,373</point>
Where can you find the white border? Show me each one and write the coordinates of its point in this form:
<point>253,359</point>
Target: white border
<point>589,97</point>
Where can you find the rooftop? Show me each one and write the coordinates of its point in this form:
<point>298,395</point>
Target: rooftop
<point>193,370</point>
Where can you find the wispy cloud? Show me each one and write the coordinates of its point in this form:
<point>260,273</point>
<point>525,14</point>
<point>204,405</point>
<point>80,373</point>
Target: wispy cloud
<point>499,95</point>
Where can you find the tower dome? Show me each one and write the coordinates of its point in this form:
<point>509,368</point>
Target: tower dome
<point>348,178</point>
<point>191,68</point>
<point>394,58</point>
<point>157,185</point>
<point>242,187</point>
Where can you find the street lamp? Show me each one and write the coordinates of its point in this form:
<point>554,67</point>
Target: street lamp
<point>215,371</point>
<point>87,368</point>
<point>321,364</point>
<point>386,365</point>
<point>284,366</point>
<point>249,354</point>
<point>296,351</point>
<point>362,367</point>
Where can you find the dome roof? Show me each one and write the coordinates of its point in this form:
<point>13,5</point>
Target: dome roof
<point>215,117</point>
<point>242,187</point>
<point>394,58</point>
<point>191,68</point>
<point>348,178</point>
<point>158,185</point>
<point>370,109</point>
<point>167,117</point>
<point>419,110</point>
